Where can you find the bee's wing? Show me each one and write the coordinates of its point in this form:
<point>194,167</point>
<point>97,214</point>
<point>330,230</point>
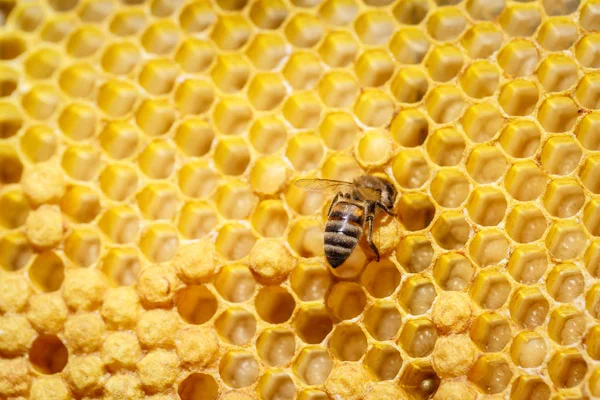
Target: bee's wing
<point>324,185</point>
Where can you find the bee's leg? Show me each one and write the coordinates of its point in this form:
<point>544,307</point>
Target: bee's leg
<point>335,199</point>
<point>370,217</point>
<point>387,210</point>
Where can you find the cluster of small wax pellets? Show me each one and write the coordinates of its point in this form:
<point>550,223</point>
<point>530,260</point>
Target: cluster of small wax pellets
<point>153,245</point>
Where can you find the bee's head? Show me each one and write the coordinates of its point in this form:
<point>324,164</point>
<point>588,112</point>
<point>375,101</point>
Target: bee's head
<point>388,194</point>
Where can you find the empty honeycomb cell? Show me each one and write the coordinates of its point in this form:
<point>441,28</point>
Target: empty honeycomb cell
<point>194,137</point>
<point>482,40</point>
<point>274,304</point>
<point>557,73</point>
<point>444,104</point>
<point>195,55</point>
<point>231,115</point>
<point>81,162</point>
<point>489,247</point>
<point>56,28</point>
<point>306,238</point>
<point>310,281</point>
<point>116,98</point>
<point>78,80</point>
<point>527,386</point>
<point>276,384</point>
<point>452,271</point>
<point>588,131</point>
<point>567,368</point>
<point>338,49</point>
<point>519,97</point>
<point>409,85</point>
<point>383,362</point>
<point>230,72</point>
<point>346,300</point>
<point>521,173</point>
<point>520,19</point>
<point>42,64</point>
<point>487,206</point>
<point>11,119</point>
<point>196,304</point>
<point>267,134</point>
<point>338,12</point>
<point>525,223</point>
<point>591,217</point>
<point>84,41</point>
<point>16,209</point>
<point>528,308</point>
<point>78,121</point>
<point>303,201</point>
<point>418,337</point>
<point>305,151</point>
<point>491,373</point>
<point>155,117</point>
<point>118,181</point>
<point>232,156</point>
<point>303,70</point>
<point>270,218</point>
<point>15,251</point>
<point>446,147</point>
<point>121,265</point>
<point>198,383</point>
<point>382,320</point>
<point>491,332</point>
<point>313,365</point>
<point>409,128</point>
<point>451,230</point>
<point>303,30</point>
<point>12,46</point>
<point>482,122</point>
<point>374,148</point>
<point>120,224</point>
<point>588,90</point>
<point>589,174</point>
<point>381,278</point>
<point>268,14</point>
<point>558,114</point>
<point>566,240</point>
<point>40,103</point>
<point>159,242</point>
<point>592,259</point>
<point>118,58</point>
<point>157,159</point>
<point>338,89</point>
<point>490,289</point>
<point>238,369</point>
<point>338,130</point>
<point>567,326</point>
<point>557,34</point>
<point>374,27</point>
<point>127,22</point>
<point>410,169</point>
<point>11,168</point>
<point>312,323</point>
<point>411,12</point>
<point>374,68</point>
<point>302,110</point>
<point>197,179</point>
<point>480,79</point>
<point>591,342</point>
<point>485,10</point>
<point>276,346</point>
<point>520,138</point>
<point>409,45</point>
<point>48,354</point>
<point>266,91</point>
<point>197,17</point>
<point>446,24</point>
<point>416,295</point>
<point>81,203</point>
<point>449,188</point>
<point>95,11</point>
<point>157,201</point>
<point>236,325</point>
<point>160,38</point>
<point>235,283</point>
<point>592,301</point>
<point>587,51</point>
<point>348,343</point>
<point>419,377</point>
<point>416,211</point>
<point>563,198</point>
<point>46,272</point>
<point>9,81</point>
<point>444,63</point>
<point>235,200</point>
<point>28,18</point>
<point>158,76</point>
<point>82,246</point>
<point>527,264</point>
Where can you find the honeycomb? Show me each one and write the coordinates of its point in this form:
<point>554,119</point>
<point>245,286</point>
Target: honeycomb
<point>153,245</point>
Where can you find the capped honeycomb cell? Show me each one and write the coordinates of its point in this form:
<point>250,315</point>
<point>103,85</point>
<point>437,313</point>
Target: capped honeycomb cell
<point>557,34</point>
<point>520,19</point>
<point>374,27</point>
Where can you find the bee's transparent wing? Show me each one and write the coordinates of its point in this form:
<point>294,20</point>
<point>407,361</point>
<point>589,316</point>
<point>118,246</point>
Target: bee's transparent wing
<point>324,185</point>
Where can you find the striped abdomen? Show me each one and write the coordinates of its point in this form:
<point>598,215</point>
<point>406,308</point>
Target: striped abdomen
<point>342,231</point>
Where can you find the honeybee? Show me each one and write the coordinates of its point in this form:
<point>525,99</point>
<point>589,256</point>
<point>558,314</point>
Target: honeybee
<point>353,206</point>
